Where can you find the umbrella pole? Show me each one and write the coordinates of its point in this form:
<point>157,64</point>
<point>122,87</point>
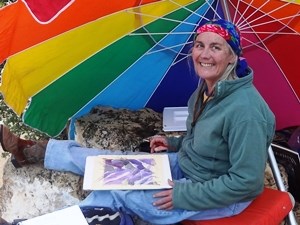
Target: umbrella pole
<point>226,10</point>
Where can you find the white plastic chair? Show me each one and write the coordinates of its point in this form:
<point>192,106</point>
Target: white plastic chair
<point>174,119</point>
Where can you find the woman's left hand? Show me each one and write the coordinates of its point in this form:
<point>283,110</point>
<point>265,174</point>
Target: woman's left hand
<point>166,198</point>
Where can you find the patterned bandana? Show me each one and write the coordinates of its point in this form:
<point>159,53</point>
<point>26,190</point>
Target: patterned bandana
<point>226,30</point>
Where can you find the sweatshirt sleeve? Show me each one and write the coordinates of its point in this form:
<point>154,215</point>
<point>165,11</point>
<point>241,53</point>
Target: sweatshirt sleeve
<point>175,143</point>
<point>243,181</point>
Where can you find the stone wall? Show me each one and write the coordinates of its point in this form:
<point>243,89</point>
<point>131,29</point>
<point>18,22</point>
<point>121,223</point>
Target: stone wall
<point>31,191</point>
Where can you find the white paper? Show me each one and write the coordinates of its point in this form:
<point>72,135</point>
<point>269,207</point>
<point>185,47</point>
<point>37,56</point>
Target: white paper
<point>71,215</point>
<point>149,171</point>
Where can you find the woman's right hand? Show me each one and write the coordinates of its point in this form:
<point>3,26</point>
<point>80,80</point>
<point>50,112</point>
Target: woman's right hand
<point>158,143</point>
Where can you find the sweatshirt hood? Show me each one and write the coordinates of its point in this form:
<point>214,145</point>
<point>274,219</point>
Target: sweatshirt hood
<point>226,87</point>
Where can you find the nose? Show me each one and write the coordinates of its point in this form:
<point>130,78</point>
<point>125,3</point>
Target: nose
<point>204,53</point>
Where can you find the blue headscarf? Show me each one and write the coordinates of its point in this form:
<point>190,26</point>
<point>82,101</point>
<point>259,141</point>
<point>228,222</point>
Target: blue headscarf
<point>231,34</point>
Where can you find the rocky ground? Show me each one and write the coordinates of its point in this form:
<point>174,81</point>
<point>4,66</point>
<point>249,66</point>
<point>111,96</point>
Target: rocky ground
<point>2,163</point>
<point>33,191</point>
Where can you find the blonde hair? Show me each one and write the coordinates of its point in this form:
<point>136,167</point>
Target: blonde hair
<point>230,72</point>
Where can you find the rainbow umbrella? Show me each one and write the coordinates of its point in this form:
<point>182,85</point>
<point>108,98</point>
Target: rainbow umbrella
<point>50,78</point>
<point>65,57</point>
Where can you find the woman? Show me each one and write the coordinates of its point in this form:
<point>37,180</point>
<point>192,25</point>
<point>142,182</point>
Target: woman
<point>217,167</point>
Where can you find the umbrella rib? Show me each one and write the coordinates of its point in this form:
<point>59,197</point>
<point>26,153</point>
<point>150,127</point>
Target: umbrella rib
<point>178,21</point>
<point>158,17</point>
<point>278,32</point>
<point>183,58</point>
<point>243,24</point>
<point>273,34</point>
<point>199,15</point>
<point>213,9</point>
<point>253,44</point>
<point>286,79</point>
<point>278,20</point>
<point>235,13</point>
<point>238,23</point>
<point>149,35</point>
<point>163,47</point>
<point>267,50</point>
<point>260,40</point>
<point>173,20</point>
<point>246,22</point>
<point>170,48</point>
<point>159,33</point>
<point>268,32</point>
<point>191,11</point>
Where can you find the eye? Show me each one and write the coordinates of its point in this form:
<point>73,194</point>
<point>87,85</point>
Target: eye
<point>198,45</point>
<point>216,47</point>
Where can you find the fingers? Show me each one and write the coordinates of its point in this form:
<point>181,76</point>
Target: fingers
<point>158,139</point>
<point>158,149</point>
<point>163,193</point>
<point>168,205</point>
<point>171,183</point>
<point>165,200</point>
<point>158,143</point>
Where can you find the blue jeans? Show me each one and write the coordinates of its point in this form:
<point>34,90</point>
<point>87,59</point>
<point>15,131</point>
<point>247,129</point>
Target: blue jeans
<point>70,156</point>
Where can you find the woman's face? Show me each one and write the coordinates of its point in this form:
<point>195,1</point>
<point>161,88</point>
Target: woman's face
<point>211,56</point>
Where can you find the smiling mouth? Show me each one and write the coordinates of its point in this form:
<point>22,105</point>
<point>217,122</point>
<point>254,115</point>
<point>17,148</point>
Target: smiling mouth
<point>206,64</point>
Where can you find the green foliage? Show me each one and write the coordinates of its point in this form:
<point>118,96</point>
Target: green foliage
<point>12,120</point>
<point>5,2</point>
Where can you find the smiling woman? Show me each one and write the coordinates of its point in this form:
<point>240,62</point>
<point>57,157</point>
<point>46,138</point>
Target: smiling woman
<point>212,57</point>
<point>214,166</point>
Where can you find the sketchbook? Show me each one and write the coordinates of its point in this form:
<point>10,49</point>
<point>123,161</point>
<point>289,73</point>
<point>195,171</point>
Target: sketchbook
<point>70,215</point>
<point>127,172</point>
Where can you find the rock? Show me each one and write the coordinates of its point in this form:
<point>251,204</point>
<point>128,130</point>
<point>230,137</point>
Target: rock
<point>122,129</point>
<point>32,190</point>
<point>269,178</point>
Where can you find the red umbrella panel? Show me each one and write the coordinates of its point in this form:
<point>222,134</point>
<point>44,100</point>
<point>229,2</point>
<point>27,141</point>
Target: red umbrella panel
<point>270,33</point>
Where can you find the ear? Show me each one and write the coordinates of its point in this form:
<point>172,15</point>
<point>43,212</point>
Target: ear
<point>233,59</point>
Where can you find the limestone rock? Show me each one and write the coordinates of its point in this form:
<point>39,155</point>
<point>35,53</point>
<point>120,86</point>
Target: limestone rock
<point>269,178</point>
<point>122,129</point>
<point>32,191</point>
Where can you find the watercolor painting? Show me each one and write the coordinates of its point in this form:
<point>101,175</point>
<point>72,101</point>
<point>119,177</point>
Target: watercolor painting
<point>129,171</point>
<point>109,172</point>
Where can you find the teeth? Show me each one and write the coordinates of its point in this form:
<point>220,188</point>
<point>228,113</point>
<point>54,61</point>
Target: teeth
<point>206,64</point>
